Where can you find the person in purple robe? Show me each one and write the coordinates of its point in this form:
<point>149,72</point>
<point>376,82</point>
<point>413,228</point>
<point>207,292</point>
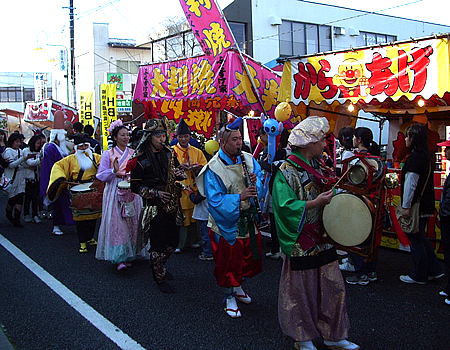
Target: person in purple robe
<point>54,151</point>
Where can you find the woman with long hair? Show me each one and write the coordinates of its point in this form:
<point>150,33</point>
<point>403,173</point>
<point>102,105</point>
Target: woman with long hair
<point>363,140</point>
<point>346,140</point>
<point>31,171</point>
<point>363,143</point>
<point>417,178</point>
<point>14,171</point>
<point>117,237</point>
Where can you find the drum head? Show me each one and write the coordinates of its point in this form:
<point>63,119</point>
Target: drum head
<point>124,185</point>
<point>347,219</point>
<point>81,187</point>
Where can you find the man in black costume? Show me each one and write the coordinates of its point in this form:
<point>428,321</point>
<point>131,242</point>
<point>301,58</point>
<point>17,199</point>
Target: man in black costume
<point>154,171</point>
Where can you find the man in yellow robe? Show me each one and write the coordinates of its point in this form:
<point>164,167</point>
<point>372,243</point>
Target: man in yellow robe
<point>80,168</point>
<point>191,161</point>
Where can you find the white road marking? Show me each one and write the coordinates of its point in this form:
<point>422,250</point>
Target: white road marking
<point>98,321</point>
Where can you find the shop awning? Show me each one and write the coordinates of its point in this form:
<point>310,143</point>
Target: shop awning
<point>390,80</point>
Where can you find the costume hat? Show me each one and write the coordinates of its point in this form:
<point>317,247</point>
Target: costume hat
<point>155,126</point>
<point>234,126</point>
<point>80,138</point>
<point>309,130</point>
<point>183,128</point>
<point>58,120</point>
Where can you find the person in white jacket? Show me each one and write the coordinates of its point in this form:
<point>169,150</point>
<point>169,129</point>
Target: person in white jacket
<point>14,171</point>
<point>31,172</point>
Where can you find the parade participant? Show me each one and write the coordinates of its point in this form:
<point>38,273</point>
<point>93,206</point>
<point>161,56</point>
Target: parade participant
<point>117,235</point>
<point>191,160</point>
<point>154,170</point>
<point>235,238</point>
<point>312,292</point>
<point>54,151</point>
<point>32,170</point>
<point>80,167</point>
<point>417,185</point>
<point>14,171</point>
<point>95,145</point>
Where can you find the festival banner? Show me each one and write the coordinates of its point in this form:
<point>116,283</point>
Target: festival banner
<point>86,108</point>
<point>109,110</point>
<point>194,88</point>
<point>44,110</point>
<point>208,25</point>
<point>410,69</point>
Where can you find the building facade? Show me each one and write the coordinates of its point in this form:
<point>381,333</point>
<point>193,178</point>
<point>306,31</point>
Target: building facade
<point>279,29</point>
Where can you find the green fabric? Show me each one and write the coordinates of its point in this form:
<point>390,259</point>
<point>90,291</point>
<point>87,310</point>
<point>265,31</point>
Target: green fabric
<point>301,156</point>
<point>288,211</point>
<point>246,221</point>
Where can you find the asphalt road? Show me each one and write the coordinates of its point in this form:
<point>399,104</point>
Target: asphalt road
<point>126,308</point>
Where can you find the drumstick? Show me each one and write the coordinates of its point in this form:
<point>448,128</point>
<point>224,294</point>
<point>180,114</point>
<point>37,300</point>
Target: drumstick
<point>342,176</point>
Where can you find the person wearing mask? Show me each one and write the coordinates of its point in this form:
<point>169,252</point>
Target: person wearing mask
<point>311,300</point>
<point>80,167</point>
<point>32,171</point>
<point>417,185</point>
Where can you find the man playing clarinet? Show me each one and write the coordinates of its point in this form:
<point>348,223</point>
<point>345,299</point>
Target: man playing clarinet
<point>235,238</point>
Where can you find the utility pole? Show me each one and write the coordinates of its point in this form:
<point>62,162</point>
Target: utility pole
<point>72,53</point>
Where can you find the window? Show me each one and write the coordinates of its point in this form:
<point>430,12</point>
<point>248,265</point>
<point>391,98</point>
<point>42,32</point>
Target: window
<point>128,66</point>
<point>298,38</point>
<point>14,94</point>
<point>238,30</point>
<point>370,39</point>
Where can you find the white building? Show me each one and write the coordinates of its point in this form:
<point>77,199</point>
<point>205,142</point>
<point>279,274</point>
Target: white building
<point>276,29</point>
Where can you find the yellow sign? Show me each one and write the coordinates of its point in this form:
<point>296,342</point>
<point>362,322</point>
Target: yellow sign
<point>109,110</point>
<point>87,108</point>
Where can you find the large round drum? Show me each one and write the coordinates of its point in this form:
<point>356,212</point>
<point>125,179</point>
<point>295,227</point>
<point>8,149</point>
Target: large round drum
<point>85,187</point>
<point>348,219</point>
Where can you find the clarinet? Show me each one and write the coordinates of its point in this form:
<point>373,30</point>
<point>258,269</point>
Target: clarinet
<point>250,183</point>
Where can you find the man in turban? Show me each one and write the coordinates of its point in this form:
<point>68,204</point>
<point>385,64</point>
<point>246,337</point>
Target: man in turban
<point>235,238</point>
<point>312,291</point>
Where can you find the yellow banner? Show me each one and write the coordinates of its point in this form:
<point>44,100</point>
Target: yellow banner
<point>87,108</point>
<point>109,110</point>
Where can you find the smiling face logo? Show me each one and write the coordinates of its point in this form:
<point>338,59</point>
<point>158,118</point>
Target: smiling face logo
<point>351,79</point>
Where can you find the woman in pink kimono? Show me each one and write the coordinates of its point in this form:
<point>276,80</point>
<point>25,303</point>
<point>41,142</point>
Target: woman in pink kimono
<point>117,235</point>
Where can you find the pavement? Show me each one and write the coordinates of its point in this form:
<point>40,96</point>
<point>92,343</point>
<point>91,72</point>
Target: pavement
<point>386,314</point>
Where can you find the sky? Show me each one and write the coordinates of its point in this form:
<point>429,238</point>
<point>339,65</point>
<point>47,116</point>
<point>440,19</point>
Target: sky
<point>27,23</point>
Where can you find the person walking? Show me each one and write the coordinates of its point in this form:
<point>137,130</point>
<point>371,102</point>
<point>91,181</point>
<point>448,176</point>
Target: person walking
<point>32,171</point>
<point>154,170</point>
<point>117,235</point>
<point>235,238</point>
<point>311,300</point>
<point>14,171</point>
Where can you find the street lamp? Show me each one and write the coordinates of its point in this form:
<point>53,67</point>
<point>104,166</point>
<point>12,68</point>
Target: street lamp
<point>62,63</point>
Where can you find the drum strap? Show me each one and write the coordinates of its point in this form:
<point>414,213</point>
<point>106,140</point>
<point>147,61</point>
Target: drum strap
<point>318,176</point>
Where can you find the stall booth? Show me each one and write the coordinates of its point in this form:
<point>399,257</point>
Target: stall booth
<point>388,82</point>
<point>40,114</point>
